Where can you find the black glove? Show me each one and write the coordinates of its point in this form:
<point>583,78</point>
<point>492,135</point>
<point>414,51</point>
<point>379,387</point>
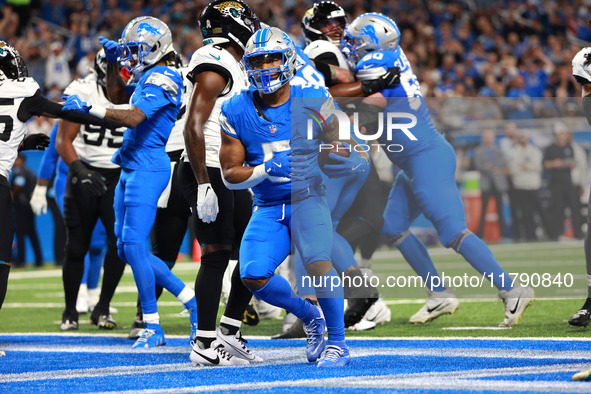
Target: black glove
<point>390,78</point>
<point>89,179</point>
<point>34,142</point>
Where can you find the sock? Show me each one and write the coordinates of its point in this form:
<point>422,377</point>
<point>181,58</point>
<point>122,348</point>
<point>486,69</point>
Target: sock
<point>206,337</point>
<point>152,318</point>
<point>278,292</point>
<point>477,253</point>
<point>95,263</point>
<point>238,298</point>
<point>72,271</point>
<point>208,287</point>
<point>4,270</point>
<point>164,276</point>
<point>113,271</point>
<point>229,326</point>
<point>137,257</point>
<point>586,305</point>
<point>417,256</point>
<point>187,298</point>
<point>332,304</point>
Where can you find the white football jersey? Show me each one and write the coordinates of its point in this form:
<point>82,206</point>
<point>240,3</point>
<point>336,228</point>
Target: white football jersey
<point>579,67</point>
<point>322,47</point>
<point>95,145</point>
<point>210,58</point>
<point>176,140</point>
<point>13,129</point>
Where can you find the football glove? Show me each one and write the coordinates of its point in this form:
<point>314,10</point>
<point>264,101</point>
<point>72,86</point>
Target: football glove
<point>92,180</point>
<point>354,164</point>
<point>207,203</point>
<point>75,103</point>
<point>279,166</point>
<point>39,200</point>
<point>389,79</point>
<point>37,141</point>
<point>110,47</point>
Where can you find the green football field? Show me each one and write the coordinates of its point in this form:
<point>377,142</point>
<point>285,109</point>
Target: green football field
<point>557,271</point>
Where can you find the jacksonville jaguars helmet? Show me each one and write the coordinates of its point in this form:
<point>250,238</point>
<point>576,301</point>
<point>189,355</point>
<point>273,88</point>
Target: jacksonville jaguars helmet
<point>266,46</point>
<point>143,43</point>
<point>327,16</point>
<point>100,67</point>
<point>12,65</point>
<point>370,32</point>
<point>228,21</point>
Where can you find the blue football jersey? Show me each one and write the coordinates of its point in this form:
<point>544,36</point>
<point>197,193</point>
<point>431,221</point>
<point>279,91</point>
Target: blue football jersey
<point>404,99</point>
<point>158,95</point>
<point>285,129</point>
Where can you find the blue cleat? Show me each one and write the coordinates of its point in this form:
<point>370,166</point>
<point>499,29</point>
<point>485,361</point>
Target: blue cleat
<point>151,336</point>
<point>315,333</point>
<point>193,334</point>
<point>335,356</point>
<point>191,307</point>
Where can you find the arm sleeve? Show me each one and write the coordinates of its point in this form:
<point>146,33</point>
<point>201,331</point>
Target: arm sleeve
<point>50,157</point>
<point>152,100</point>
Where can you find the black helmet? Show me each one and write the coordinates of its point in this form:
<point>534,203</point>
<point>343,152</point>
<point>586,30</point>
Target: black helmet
<point>228,21</point>
<point>320,15</point>
<point>12,65</point>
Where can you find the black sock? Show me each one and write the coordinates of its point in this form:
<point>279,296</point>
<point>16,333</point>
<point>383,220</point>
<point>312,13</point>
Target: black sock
<point>208,289</point>
<point>238,299</point>
<point>113,270</point>
<point>72,272</point>
<point>587,304</point>
<point>4,270</point>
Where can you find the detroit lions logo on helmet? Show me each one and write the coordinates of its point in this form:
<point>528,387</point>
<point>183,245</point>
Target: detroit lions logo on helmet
<point>145,28</point>
<point>230,8</point>
<point>370,32</point>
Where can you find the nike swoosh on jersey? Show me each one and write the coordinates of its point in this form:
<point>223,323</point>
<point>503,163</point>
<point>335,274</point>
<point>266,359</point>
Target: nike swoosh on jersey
<point>169,74</point>
<point>215,57</point>
<point>215,360</point>
<point>150,95</point>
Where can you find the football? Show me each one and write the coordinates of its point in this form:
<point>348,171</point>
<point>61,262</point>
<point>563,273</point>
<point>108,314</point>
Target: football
<point>334,147</point>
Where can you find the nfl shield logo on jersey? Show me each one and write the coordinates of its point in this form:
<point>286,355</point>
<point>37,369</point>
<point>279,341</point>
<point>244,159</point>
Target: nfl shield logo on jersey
<point>273,129</point>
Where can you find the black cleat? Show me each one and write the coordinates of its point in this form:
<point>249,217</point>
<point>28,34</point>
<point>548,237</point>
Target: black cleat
<point>251,316</point>
<point>102,320</point>
<point>296,330</point>
<point>356,309</point>
<point>136,327</point>
<point>580,319</point>
<point>69,321</point>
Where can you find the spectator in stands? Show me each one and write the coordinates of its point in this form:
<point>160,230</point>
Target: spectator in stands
<point>490,161</point>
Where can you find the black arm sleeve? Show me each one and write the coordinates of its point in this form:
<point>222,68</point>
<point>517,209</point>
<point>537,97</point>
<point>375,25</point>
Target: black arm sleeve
<point>324,69</point>
<point>581,80</point>
<point>369,116</point>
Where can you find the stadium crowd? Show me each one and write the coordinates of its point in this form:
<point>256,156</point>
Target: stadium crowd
<point>459,48</point>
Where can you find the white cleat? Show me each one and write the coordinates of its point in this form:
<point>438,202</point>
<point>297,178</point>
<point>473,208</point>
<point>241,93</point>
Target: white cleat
<point>515,300</point>
<point>378,313</point>
<point>236,345</point>
<point>583,375</point>
<point>214,355</point>
<point>82,305</point>
<point>438,303</point>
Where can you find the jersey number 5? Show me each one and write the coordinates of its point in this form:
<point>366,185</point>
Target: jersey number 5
<point>6,121</point>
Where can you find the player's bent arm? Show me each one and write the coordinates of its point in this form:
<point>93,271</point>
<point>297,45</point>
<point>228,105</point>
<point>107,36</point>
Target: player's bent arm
<point>129,118</point>
<point>66,133</point>
<point>208,87</point>
<point>116,86</point>
<point>235,174</point>
<point>587,101</point>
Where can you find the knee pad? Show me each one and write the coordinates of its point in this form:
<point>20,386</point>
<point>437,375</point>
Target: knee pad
<point>217,260</point>
<point>456,242</point>
<point>397,239</point>
<point>255,270</point>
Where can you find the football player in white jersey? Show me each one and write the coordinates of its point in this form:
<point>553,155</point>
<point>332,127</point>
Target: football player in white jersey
<point>90,188</point>
<point>20,99</point>
<point>216,75</point>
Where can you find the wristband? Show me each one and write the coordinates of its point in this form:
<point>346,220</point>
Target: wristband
<point>98,111</point>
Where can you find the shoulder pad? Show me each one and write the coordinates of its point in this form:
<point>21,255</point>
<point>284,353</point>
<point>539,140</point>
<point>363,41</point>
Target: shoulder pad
<point>17,88</point>
<point>580,64</point>
<point>165,80</point>
<point>320,47</point>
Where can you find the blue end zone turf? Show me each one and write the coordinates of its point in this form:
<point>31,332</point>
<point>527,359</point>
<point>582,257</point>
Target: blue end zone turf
<point>41,363</point>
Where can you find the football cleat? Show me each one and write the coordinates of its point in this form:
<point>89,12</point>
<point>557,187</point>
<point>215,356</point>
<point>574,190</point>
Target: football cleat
<point>69,322</point>
<point>315,332</point>
<point>214,355</point>
<point>251,316</point>
<point>580,319</point>
<point>193,336</point>
<point>356,309</point>
<point>379,313</point>
<point>335,356</point>
<point>583,375</point>
<point>515,300</point>
<point>136,327</point>
<point>151,336</point>
<point>296,330</point>
<point>438,303</point>
<point>2,353</point>
<point>102,320</point>
<point>236,345</point>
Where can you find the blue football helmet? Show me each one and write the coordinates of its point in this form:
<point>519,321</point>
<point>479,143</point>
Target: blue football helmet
<point>370,32</point>
<point>269,45</point>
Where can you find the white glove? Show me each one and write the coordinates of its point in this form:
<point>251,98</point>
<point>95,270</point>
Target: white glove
<point>207,203</point>
<point>38,200</point>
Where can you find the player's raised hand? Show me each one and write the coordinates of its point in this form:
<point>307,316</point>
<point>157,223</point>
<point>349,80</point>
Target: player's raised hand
<point>37,141</point>
<point>207,203</point>
<point>75,103</point>
<point>39,200</point>
<point>279,166</point>
<point>110,47</point>
<point>346,166</point>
